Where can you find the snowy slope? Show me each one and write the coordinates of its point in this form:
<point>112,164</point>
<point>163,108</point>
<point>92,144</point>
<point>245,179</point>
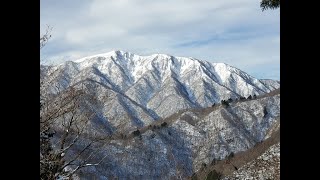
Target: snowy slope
<point>156,86</point>
<point>266,166</point>
<point>191,138</point>
<point>135,91</point>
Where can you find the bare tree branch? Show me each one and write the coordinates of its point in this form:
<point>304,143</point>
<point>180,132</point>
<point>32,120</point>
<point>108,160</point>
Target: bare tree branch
<point>45,37</point>
<point>64,111</point>
<point>77,156</point>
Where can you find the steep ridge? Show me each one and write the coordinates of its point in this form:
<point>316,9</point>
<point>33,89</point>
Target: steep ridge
<point>190,138</point>
<point>141,89</point>
<point>240,162</point>
<point>266,166</point>
<point>161,117</point>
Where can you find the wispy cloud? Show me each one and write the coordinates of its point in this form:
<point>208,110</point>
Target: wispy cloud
<point>236,31</point>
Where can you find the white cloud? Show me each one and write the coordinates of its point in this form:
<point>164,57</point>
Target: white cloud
<point>234,31</point>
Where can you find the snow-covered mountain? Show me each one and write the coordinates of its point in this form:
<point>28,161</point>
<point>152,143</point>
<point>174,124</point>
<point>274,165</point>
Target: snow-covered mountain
<point>136,90</point>
<point>190,139</point>
<point>175,104</point>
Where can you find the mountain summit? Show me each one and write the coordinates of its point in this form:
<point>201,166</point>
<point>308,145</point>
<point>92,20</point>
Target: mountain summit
<point>149,87</point>
<point>161,116</point>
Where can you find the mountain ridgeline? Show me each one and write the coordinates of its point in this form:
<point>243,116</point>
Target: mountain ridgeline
<point>165,117</point>
<point>141,89</point>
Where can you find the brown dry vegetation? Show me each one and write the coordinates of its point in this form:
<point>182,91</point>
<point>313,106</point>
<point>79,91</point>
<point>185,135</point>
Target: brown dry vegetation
<point>229,165</point>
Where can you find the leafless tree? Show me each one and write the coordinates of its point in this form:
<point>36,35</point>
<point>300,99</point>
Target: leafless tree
<point>64,115</point>
<point>44,38</point>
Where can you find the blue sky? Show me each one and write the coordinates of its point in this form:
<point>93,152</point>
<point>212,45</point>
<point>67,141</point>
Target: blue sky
<point>235,32</point>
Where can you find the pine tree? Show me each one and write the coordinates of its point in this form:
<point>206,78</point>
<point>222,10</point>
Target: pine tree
<point>225,103</point>
<point>269,4</point>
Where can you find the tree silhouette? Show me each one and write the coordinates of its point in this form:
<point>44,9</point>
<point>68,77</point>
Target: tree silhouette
<point>63,115</point>
<point>269,4</point>
<point>164,124</point>
<point>225,103</point>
